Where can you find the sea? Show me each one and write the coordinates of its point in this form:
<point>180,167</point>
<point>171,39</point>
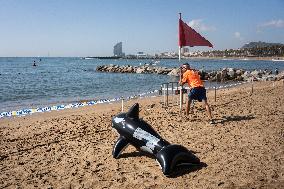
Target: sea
<point>60,80</point>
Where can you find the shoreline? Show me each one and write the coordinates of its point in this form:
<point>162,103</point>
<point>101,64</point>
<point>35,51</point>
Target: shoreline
<point>82,103</point>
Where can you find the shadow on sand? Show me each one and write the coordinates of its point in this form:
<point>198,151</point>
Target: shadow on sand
<point>233,118</point>
<point>181,170</point>
<point>178,171</point>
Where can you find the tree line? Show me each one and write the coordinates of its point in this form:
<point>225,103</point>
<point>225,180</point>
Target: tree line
<point>269,51</point>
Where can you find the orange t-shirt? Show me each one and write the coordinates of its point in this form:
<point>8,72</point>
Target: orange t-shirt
<point>192,78</point>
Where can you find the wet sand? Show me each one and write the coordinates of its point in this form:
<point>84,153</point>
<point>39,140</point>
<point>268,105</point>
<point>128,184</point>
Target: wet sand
<point>72,148</point>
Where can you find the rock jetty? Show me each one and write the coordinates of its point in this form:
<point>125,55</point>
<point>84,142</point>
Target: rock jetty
<point>134,69</point>
<point>225,74</point>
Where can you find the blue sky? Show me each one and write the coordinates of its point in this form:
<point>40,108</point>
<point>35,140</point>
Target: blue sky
<point>93,27</point>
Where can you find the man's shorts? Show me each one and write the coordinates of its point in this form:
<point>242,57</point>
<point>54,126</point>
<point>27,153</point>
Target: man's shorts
<point>197,93</point>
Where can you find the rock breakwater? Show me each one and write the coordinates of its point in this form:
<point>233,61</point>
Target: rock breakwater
<point>225,74</point>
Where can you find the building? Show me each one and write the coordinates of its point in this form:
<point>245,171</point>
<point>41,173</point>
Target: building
<point>184,50</point>
<point>141,55</point>
<point>117,50</point>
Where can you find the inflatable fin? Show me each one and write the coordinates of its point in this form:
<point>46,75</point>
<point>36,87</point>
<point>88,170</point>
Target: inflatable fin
<point>133,111</point>
<point>173,155</point>
<point>119,146</point>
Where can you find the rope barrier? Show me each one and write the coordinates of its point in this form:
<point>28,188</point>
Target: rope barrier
<point>30,111</point>
<point>180,90</point>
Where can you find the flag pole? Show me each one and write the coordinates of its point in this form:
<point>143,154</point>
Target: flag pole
<point>179,58</point>
<point>179,46</point>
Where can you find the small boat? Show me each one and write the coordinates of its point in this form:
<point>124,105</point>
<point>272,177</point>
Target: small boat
<point>88,58</point>
<point>277,60</point>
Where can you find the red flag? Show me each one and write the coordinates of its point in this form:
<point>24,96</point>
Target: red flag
<point>189,37</point>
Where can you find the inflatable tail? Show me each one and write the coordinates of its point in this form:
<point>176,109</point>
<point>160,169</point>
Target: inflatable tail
<point>173,155</point>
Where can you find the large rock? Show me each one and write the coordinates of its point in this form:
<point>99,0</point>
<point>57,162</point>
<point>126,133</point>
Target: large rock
<point>174,72</point>
<point>160,70</point>
<point>129,69</point>
<point>239,72</point>
<point>256,73</point>
<point>140,70</point>
<point>231,72</point>
<point>280,76</point>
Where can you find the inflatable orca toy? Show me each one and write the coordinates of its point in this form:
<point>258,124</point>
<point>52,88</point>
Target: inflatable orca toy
<point>141,135</point>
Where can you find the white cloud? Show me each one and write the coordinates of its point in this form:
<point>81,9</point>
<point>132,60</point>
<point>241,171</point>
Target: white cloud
<point>200,26</point>
<point>273,23</point>
<point>270,24</point>
<point>238,36</point>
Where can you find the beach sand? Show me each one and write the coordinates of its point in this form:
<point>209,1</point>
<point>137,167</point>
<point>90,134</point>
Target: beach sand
<point>73,148</point>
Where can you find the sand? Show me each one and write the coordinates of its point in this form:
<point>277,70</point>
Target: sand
<point>73,148</point>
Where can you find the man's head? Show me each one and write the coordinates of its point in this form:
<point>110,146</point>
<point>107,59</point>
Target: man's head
<point>185,66</point>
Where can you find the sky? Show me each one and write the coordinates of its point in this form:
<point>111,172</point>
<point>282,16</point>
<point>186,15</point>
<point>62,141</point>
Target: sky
<point>63,28</point>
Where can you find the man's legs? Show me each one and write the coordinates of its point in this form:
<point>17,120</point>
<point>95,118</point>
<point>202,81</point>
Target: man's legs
<point>188,102</point>
<point>208,109</point>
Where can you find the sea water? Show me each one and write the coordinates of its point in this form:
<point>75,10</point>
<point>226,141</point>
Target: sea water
<point>65,80</point>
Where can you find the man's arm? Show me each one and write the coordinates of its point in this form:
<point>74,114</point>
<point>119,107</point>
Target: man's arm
<point>181,83</point>
<point>182,78</point>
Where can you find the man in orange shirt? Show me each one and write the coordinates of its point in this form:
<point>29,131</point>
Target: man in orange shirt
<point>197,91</point>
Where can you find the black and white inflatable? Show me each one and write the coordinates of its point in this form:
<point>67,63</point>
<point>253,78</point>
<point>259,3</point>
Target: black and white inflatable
<point>135,131</point>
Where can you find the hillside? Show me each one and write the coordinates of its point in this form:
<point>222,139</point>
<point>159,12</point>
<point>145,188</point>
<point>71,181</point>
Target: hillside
<point>260,45</point>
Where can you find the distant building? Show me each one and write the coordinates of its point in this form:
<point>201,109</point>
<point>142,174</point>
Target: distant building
<point>117,50</point>
<point>141,55</point>
<point>184,50</point>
